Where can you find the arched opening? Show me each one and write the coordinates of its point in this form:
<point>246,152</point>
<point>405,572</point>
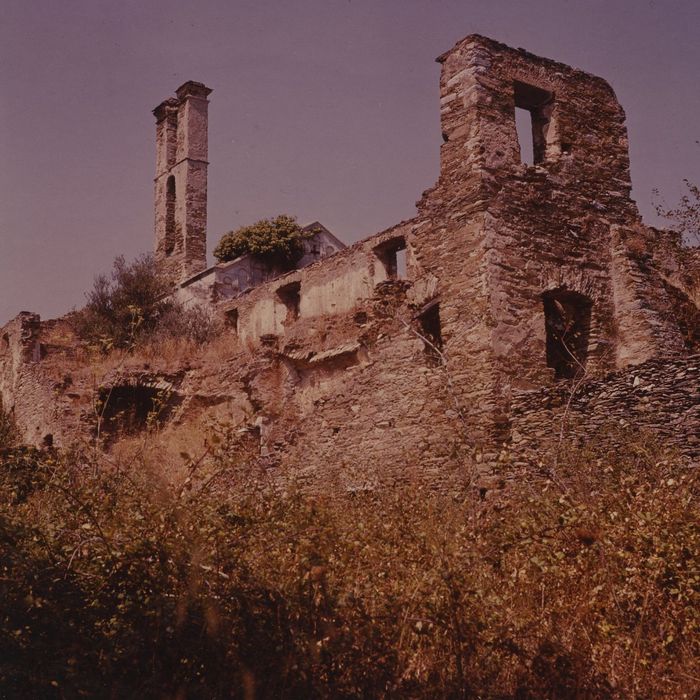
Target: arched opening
<point>170,215</point>
<point>567,322</point>
<point>127,409</point>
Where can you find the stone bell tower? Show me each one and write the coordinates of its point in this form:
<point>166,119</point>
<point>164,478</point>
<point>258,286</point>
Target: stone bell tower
<point>181,182</point>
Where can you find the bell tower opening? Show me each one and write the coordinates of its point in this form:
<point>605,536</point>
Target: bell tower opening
<point>170,199</point>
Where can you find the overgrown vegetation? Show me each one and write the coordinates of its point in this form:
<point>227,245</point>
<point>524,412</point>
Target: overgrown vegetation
<point>132,305</point>
<point>117,583</point>
<point>685,216</point>
<point>9,435</point>
<point>278,241</point>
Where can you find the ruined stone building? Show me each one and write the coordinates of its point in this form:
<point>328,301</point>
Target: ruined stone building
<point>181,208</point>
<point>532,293</point>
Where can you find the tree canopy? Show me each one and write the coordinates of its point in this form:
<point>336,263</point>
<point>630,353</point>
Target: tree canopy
<point>125,303</point>
<point>278,241</point>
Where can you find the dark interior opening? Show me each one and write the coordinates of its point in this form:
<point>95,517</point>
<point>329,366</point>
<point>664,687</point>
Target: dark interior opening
<point>232,319</point>
<point>567,320</point>
<point>170,215</point>
<point>430,328</point>
<point>129,408</point>
<point>392,256</point>
<point>538,103</point>
<point>290,296</point>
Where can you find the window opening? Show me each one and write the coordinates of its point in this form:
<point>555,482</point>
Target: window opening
<point>523,125</point>
<point>567,320</point>
<point>430,328</point>
<point>533,113</point>
<point>232,320</point>
<point>290,296</point>
<point>392,255</point>
<point>170,215</point>
<point>401,263</point>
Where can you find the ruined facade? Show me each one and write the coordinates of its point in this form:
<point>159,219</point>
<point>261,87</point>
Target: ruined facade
<point>524,285</point>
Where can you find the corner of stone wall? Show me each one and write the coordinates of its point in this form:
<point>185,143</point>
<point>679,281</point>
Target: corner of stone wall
<point>643,313</point>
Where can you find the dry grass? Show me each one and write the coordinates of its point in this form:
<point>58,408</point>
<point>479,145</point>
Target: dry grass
<point>205,582</point>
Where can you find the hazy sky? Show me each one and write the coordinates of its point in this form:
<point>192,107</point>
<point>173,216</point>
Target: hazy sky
<point>326,109</point>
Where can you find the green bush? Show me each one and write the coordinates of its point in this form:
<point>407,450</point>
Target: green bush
<point>124,305</point>
<point>132,306</point>
<point>115,582</point>
<point>278,241</point>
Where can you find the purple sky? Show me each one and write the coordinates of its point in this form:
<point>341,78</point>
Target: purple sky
<point>326,109</point>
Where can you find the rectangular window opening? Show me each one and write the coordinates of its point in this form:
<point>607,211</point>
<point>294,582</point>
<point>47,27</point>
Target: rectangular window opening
<point>290,296</point>
<point>392,255</point>
<point>533,114</point>
<point>430,329</point>
<point>523,125</point>
<point>232,320</point>
<point>567,319</point>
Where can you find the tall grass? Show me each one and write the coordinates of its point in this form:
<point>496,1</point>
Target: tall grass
<point>115,582</point>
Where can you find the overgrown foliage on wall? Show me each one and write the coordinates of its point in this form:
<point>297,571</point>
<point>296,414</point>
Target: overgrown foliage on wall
<point>579,583</point>
<point>278,241</point>
<point>9,434</point>
<point>132,304</point>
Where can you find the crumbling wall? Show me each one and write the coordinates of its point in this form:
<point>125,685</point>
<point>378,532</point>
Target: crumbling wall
<point>354,372</point>
<point>25,388</point>
<point>660,397</point>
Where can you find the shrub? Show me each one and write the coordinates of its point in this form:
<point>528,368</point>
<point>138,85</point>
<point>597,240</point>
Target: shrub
<point>132,307</point>
<point>196,323</point>
<point>125,585</point>
<point>124,305</point>
<point>8,429</point>
<point>278,241</point>
<point>685,216</point>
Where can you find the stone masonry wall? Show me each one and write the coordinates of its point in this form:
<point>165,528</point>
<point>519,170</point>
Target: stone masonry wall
<point>659,397</point>
<point>26,387</point>
<point>355,376</point>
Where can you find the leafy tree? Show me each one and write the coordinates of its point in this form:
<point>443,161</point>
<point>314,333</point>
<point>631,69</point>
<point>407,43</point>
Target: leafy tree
<point>125,304</point>
<point>277,241</point>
